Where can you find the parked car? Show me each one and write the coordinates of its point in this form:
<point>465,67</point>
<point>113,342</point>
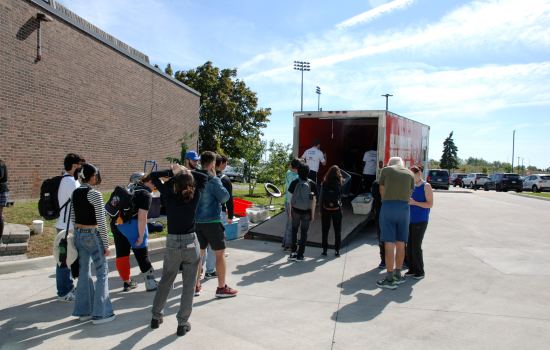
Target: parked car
<point>233,175</point>
<point>456,179</point>
<point>474,180</point>
<point>537,183</point>
<point>505,182</point>
<point>490,183</point>
<point>439,179</point>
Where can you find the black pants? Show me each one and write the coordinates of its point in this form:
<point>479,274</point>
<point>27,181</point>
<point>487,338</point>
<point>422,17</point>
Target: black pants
<point>336,217</point>
<point>414,247</point>
<point>123,247</point>
<point>313,176</point>
<point>301,221</point>
<point>367,182</point>
<point>380,244</point>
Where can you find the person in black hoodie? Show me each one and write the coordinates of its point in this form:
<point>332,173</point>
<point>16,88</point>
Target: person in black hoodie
<point>182,246</point>
<point>330,208</point>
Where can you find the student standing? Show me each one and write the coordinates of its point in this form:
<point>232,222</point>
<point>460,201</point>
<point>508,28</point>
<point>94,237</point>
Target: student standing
<point>291,175</point>
<point>330,201</point>
<point>182,247</point>
<point>4,195</point>
<point>133,235</point>
<point>92,243</point>
<point>69,183</point>
<point>369,169</point>
<point>313,157</point>
<point>421,201</point>
<point>303,196</point>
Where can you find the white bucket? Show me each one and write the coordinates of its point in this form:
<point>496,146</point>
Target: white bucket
<point>37,226</point>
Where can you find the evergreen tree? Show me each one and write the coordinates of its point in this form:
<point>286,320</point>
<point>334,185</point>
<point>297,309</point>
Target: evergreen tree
<point>449,158</point>
<point>169,70</point>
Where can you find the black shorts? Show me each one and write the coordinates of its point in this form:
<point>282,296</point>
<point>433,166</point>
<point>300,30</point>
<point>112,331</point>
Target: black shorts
<point>212,234</point>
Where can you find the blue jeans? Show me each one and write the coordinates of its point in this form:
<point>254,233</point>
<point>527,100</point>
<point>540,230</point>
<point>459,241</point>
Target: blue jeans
<point>63,278</point>
<point>91,301</point>
<point>287,238</point>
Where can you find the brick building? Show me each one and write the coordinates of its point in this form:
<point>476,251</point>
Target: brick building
<point>89,94</point>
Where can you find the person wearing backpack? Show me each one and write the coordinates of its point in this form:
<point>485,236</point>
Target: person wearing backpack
<point>4,195</point>
<point>291,175</point>
<point>303,195</point>
<point>330,201</point>
<point>133,234</point>
<point>68,183</point>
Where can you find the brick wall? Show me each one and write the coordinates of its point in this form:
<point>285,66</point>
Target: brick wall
<point>83,97</point>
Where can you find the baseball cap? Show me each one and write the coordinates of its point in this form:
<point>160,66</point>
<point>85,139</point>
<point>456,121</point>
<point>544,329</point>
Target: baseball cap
<point>192,155</point>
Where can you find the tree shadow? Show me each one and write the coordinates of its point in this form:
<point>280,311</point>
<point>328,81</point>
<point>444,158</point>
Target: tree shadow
<point>27,29</point>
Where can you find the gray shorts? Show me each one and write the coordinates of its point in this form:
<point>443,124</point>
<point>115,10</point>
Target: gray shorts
<point>212,234</point>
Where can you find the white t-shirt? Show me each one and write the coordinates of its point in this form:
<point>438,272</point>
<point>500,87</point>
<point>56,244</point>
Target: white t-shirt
<point>66,187</point>
<point>313,157</point>
<point>370,158</point>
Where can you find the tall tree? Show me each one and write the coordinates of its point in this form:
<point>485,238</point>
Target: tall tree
<point>228,109</point>
<point>276,167</point>
<point>449,158</point>
<point>252,151</point>
<point>169,70</point>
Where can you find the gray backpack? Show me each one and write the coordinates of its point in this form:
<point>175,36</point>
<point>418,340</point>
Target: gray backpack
<point>302,197</point>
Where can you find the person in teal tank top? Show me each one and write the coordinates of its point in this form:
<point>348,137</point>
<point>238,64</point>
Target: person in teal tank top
<point>422,200</point>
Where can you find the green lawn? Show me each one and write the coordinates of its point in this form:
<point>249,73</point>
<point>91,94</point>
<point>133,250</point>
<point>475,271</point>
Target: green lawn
<point>546,195</point>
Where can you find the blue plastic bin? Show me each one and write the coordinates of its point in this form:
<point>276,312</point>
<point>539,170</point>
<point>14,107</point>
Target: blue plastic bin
<point>231,230</point>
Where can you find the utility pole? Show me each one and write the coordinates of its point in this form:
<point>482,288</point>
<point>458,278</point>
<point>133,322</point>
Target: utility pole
<point>513,148</point>
<point>318,92</point>
<point>518,164</point>
<point>386,96</point>
<point>302,66</point>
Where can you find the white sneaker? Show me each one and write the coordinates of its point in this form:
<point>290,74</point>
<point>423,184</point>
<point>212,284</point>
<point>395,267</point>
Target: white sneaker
<point>104,320</point>
<point>84,318</point>
<point>69,298</point>
<point>344,195</point>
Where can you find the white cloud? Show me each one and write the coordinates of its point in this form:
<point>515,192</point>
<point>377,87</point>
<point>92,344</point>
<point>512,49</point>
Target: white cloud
<point>376,12</point>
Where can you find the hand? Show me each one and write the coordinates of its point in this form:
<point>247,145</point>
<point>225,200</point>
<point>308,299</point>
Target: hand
<point>320,214</point>
<point>176,169</point>
<point>312,217</point>
<point>139,241</point>
<point>290,213</point>
<point>230,221</point>
<point>107,252</point>
<point>412,202</point>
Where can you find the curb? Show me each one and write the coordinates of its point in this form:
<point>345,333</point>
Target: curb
<point>530,196</point>
<point>155,246</point>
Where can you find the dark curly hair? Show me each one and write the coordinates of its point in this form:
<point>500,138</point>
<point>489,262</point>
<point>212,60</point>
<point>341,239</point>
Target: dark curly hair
<point>334,176</point>
<point>184,184</point>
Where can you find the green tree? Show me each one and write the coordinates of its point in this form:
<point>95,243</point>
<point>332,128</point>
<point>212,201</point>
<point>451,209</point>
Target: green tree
<point>252,151</point>
<point>532,168</point>
<point>169,70</point>
<point>448,159</point>
<point>484,170</point>
<point>228,109</point>
<point>277,164</point>
<point>184,147</point>
<point>463,170</point>
<point>507,167</point>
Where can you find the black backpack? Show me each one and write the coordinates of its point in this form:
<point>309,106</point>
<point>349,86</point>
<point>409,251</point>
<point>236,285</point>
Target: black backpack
<point>3,172</point>
<point>120,205</point>
<point>332,197</point>
<point>48,204</point>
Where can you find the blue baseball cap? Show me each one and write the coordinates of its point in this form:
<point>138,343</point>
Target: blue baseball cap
<point>192,155</point>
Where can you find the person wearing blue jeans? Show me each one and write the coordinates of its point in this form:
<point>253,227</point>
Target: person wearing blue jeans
<point>291,175</point>
<point>64,282</point>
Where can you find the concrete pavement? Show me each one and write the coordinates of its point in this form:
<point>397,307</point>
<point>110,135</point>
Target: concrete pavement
<point>486,287</point>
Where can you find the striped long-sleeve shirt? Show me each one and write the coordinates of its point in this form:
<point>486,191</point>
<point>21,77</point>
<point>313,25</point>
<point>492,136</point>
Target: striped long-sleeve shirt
<point>90,213</point>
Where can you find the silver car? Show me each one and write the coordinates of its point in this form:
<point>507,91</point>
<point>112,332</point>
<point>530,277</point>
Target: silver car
<point>474,180</point>
<point>537,183</point>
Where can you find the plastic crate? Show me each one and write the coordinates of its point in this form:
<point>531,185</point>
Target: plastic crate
<point>231,231</point>
<point>360,207</point>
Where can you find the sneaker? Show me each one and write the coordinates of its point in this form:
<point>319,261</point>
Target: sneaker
<point>409,273</point>
<point>288,250</point>
<point>337,254</point>
<point>300,259</point>
<point>386,284</point>
<point>84,318</point>
<point>74,291</point>
<point>324,254</point>
<point>418,277</point>
<point>105,320</point>
<point>129,286</point>
<point>198,290</point>
<point>344,195</point>
<point>156,323</point>
<point>226,292</point>
<point>69,298</point>
<point>183,329</point>
<point>382,266</point>
<point>399,279</point>
<point>293,256</point>
<point>283,247</point>
<point>211,275</point>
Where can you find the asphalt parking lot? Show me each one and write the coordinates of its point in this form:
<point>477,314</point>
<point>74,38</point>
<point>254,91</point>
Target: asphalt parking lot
<point>487,258</point>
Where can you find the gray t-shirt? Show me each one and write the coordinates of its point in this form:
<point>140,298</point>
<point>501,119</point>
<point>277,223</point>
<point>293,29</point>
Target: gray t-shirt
<point>398,182</point>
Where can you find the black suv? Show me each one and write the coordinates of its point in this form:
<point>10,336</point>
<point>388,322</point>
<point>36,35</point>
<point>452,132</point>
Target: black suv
<point>456,179</point>
<point>505,182</point>
<point>439,179</point>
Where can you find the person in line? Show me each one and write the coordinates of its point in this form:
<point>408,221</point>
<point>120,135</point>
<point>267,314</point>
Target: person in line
<point>291,175</point>
<point>192,160</point>
<point>377,205</point>
<point>313,157</point>
<point>4,195</point>
<point>210,230</point>
<point>396,185</point>
<point>421,201</point>
<point>369,170</point>
<point>69,183</point>
<point>91,240</point>
<point>330,200</point>
<point>348,164</point>
<point>182,246</point>
<point>133,235</point>
<point>303,196</point>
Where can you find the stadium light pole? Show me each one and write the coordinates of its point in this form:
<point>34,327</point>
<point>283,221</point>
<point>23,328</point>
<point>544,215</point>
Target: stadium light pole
<point>513,148</point>
<point>386,96</point>
<point>318,92</point>
<point>302,66</point>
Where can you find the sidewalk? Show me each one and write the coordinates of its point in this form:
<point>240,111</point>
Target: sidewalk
<point>487,287</point>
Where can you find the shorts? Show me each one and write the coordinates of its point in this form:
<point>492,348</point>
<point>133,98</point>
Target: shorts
<point>4,198</point>
<point>212,234</point>
<point>394,221</point>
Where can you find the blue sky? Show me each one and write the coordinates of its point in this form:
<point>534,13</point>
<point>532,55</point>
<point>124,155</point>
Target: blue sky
<point>478,68</point>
